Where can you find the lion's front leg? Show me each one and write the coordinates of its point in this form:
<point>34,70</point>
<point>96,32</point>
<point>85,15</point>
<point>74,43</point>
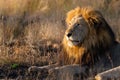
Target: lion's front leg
<point>67,72</point>
<point>36,68</point>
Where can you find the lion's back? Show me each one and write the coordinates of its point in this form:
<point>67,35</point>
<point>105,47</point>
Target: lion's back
<point>110,60</point>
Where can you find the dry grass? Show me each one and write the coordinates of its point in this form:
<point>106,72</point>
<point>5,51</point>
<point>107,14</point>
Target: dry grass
<point>31,30</point>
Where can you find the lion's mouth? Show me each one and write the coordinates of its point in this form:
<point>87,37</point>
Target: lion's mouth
<point>76,41</point>
<point>73,42</point>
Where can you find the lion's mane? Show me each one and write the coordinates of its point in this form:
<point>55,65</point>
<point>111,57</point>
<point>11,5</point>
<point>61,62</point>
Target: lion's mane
<point>99,40</point>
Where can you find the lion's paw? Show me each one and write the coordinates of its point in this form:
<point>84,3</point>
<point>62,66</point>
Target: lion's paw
<point>32,69</point>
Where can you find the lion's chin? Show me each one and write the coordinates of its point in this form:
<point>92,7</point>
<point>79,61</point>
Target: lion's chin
<point>73,43</point>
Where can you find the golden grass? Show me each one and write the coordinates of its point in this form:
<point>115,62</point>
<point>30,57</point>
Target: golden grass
<point>38,20</point>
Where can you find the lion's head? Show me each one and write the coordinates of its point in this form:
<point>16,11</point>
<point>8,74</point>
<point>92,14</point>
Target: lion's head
<point>87,34</point>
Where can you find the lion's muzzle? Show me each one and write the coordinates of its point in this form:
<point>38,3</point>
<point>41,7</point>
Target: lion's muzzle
<point>72,41</point>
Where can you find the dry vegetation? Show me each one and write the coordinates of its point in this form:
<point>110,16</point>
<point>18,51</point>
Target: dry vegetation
<point>31,32</point>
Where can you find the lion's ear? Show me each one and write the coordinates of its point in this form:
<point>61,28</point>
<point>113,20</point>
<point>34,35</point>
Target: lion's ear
<point>94,22</point>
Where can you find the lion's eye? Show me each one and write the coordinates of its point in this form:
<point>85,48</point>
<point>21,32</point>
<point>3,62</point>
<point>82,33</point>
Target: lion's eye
<point>77,24</point>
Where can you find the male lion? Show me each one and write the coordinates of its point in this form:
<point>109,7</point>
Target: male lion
<point>88,41</point>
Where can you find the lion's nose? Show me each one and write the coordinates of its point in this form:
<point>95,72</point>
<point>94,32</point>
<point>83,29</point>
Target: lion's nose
<point>69,34</point>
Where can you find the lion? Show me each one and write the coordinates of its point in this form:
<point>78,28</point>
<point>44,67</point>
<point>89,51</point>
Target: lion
<point>87,36</point>
<point>88,41</point>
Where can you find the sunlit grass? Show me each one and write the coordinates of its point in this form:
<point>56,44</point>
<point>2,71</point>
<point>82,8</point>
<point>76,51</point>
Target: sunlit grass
<point>43,20</point>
